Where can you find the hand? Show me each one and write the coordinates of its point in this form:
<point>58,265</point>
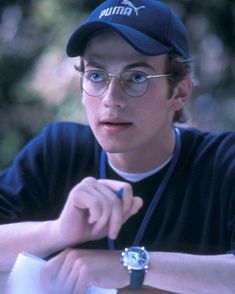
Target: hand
<point>73,271</point>
<point>94,211</point>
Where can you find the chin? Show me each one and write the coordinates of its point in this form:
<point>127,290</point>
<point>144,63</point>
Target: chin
<point>114,148</point>
<point>114,144</point>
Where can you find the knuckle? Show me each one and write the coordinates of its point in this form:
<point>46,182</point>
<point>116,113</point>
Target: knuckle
<point>84,270</point>
<point>88,180</point>
<point>67,251</point>
<point>95,202</point>
<point>70,255</point>
<point>81,266</point>
<point>128,188</point>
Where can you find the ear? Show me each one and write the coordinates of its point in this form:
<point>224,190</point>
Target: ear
<point>181,93</point>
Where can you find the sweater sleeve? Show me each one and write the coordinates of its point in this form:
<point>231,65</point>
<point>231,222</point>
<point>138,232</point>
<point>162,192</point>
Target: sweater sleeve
<point>37,184</point>
<point>225,171</point>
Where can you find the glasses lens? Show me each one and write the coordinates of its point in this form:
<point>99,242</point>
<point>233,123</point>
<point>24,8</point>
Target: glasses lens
<point>95,82</point>
<point>134,83</point>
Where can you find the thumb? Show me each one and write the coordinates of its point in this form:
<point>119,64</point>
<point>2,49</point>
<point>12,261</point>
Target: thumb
<point>137,203</point>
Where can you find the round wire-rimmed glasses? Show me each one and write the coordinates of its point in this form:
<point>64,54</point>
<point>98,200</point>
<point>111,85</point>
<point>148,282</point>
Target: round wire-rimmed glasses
<point>134,83</point>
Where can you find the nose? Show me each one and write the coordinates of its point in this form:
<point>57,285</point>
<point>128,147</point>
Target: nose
<point>114,95</point>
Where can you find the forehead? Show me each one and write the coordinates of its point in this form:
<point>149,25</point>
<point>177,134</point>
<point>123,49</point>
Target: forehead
<point>109,47</point>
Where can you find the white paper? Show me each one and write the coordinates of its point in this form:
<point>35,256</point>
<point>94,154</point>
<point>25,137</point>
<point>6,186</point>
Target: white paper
<point>25,277</point>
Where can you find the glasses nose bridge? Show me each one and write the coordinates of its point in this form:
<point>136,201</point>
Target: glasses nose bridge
<point>111,76</point>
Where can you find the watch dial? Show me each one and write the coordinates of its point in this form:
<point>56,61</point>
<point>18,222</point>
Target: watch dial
<point>136,257</point>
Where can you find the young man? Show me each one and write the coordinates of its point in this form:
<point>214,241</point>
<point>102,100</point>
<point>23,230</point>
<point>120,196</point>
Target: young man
<point>131,179</point>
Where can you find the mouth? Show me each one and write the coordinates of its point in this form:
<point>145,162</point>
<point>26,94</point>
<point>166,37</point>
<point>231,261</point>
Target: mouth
<point>115,125</point>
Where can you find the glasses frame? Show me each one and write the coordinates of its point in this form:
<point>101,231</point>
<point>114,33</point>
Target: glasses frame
<point>118,76</point>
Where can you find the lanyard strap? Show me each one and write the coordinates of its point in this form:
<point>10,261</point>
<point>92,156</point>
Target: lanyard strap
<point>158,194</point>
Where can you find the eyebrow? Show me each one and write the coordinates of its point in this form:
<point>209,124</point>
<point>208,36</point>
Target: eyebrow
<point>94,63</point>
<point>140,64</point>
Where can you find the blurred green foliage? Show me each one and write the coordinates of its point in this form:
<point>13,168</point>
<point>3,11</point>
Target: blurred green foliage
<point>38,84</point>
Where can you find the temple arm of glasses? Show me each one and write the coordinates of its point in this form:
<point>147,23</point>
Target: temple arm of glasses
<point>158,76</point>
<point>77,68</point>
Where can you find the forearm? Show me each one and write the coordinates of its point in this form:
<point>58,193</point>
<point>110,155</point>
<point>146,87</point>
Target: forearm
<point>191,274</point>
<point>33,237</point>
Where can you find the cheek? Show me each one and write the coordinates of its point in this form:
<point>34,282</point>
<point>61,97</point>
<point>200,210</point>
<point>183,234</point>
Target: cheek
<point>91,108</point>
<point>154,112</point>
<point>156,105</point>
<point>90,104</point>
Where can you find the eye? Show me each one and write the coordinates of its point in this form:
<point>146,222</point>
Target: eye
<point>95,76</point>
<point>138,77</point>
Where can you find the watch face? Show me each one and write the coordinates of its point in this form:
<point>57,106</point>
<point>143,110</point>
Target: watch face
<point>135,257</point>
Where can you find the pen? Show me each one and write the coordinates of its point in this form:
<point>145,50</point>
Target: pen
<point>119,192</point>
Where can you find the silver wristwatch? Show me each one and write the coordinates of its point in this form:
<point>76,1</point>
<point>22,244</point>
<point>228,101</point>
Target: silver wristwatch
<point>136,260</point>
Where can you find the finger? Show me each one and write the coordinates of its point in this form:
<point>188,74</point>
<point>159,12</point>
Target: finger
<point>136,206</point>
<point>114,205</point>
<point>70,280</point>
<point>127,198</point>
<point>98,199</point>
<point>50,271</point>
<point>75,281</point>
<point>104,196</point>
<point>104,217</point>
<point>64,280</point>
<point>127,194</point>
<point>95,200</point>
<point>116,220</point>
<point>80,287</point>
<point>81,284</point>
<point>88,199</point>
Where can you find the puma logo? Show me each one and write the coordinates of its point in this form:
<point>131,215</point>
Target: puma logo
<point>131,5</point>
<point>121,10</point>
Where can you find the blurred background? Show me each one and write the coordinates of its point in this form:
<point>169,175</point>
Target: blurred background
<point>38,84</point>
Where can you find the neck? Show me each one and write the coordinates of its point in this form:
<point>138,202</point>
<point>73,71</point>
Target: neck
<point>142,160</point>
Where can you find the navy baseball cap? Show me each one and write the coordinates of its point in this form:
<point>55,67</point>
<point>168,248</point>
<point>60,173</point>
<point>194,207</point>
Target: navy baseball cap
<point>149,26</point>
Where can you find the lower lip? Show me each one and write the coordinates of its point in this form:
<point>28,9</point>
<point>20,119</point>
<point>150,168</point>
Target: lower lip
<point>115,127</point>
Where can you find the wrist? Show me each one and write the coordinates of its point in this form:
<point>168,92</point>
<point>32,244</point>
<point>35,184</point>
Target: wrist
<point>55,237</point>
